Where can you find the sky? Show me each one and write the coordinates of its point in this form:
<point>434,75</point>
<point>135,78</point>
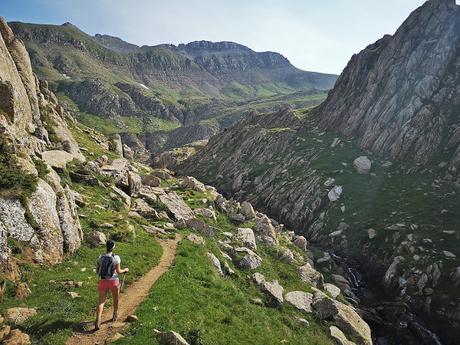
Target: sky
<point>315,35</point>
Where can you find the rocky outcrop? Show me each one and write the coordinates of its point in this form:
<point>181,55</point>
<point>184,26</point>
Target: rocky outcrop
<point>41,215</point>
<point>400,95</point>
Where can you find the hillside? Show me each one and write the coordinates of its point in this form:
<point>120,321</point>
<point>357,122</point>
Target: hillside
<point>119,87</point>
<point>370,175</point>
<point>238,276</point>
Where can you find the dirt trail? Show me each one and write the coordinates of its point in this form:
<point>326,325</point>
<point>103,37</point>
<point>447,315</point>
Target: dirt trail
<point>129,301</point>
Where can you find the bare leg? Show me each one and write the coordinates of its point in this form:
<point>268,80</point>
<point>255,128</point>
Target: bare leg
<point>100,307</point>
<point>115,295</point>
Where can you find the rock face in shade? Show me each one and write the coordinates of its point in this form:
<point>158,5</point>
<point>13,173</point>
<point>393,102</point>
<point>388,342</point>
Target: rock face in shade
<point>400,95</point>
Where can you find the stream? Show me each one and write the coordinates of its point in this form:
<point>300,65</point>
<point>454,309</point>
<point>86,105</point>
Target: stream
<point>392,322</point>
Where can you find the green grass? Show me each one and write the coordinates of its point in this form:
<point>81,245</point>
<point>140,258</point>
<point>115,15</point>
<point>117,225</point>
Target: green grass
<point>207,309</point>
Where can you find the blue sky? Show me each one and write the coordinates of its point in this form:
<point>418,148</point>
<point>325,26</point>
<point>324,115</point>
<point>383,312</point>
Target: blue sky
<point>315,35</point>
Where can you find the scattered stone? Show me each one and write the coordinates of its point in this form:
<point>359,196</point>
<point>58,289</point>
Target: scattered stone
<point>274,290</point>
<point>250,261</point>
<point>124,197</point>
<point>134,214</point>
<point>16,337</point>
<point>132,318</point>
<point>57,159</point>
<point>335,193</point>
<point>72,294</point>
<point>332,289</point>
<point>170,338</point>
<point>247,210</point>
<point>303,322</point>
<point>338,335</point>
<point>344,317</point>
<point>22,291</point>
<point>257,301</point>
<point>301,242</point>
<point>196,239</point>
<point>134,183</point>
<point>287,255</point>
<point>115,337</point>
<point>265,227</point>
<point>329,182</point>
<point>19,315</point>
<point>301,300</point>
<point>4,332</point>
<point>151,181</point>
<point>215,262</point>
<point>206,213</point>
<point>96,239</point>
<point>106,226</point>
<point>309,275</point>
<point>362,165</point>
<point>258,278</point>
<point>245,236</point>
<point>371,233</point>
<point>449,255</point>
<point>192,183</point>
<point>200,226</point>
<point>176,205</point>
<point>228,270</point>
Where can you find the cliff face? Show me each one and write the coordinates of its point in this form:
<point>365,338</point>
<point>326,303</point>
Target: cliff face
<point>37,212</point>
<point>400,97</point>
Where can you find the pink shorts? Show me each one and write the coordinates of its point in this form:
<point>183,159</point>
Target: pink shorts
<point>108,284</point>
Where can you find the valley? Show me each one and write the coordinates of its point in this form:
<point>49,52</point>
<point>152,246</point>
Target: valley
<point>302,207</point>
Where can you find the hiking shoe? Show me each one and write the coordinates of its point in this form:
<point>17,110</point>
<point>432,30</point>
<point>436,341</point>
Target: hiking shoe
<point>115,317</point>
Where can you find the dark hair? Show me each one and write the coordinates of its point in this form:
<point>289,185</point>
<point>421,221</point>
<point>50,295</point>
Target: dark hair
<point>110,245</point>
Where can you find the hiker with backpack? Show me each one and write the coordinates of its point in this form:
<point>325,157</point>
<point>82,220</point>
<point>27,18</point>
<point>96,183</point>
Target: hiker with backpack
<point>108,269</point>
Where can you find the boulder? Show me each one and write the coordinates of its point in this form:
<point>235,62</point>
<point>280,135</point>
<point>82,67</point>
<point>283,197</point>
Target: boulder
<point>332,289</point>
<point>250,261</point>
<point>264,227</point>
<point>247,210</point>
<point>258,278</point>
<point>57,159</point>
<point>176,206</point>
<point>134,183</point>
<point>16,337</point>
<point>144,209</point>
<point>299,299</point>
<point>344,316</point>
<point>73,294</point>
<point>371,233</point>
<point>215,262</point>
<point>200,226</point>
<point>96,239</point>
<point>227,269</point>
<point>309,275</point>
<point>151,181</point>
<point>335,193</point>
<point>274,291</point>
<point>163,174</point>
<point>287,255</point>
<point>22,291</point>
<point>132,318</point>
<point>339,337</point>
<point>192,183</point>
<point>362,165</point>
<point>4,332</point>
<point>245,237</point>
<point>123,196</point>
<point>206,213</point>
<point>170,338</point>
<point>19,315</point>
<point>196,239</point>
<point>300,242</point>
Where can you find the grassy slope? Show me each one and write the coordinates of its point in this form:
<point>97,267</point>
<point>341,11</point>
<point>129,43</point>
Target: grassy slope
<point>57,312</point>
<point>195,301</point>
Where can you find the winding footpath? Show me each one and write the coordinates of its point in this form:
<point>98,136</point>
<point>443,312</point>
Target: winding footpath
<point>129,300</point>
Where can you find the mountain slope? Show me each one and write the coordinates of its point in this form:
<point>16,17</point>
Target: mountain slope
<point>398,223</point>
<point>400,96</point>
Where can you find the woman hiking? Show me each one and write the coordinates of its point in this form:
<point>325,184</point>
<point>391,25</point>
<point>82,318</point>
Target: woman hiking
<point>108,269</point>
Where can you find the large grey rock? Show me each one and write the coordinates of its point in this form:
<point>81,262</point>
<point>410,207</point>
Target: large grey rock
<point>205,212</point>
<point>192,183</point>
<point>344,316</point>
<point>247,210</point>
<point>170,338</point>
<point>215,262</point>
<point>144,209</point>
<point>300,299</point>
<point>177,206</point>
<point>250,261</point>
<point>245,237</point>
<point>96,239</point>
<point>196,239</point>
<point>301,242</point>
<point>309,275</point>
<point>134,183</point>
<point>362,165</point>
<point>19,315</point>
<point>57,159</point>
<point>264,227</point>
<point>274,291</point>
<point>339,337</point>
<point>200,226</point>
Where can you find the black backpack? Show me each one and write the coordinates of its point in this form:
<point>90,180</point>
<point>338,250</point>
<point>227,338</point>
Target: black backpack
<point>106,266</point>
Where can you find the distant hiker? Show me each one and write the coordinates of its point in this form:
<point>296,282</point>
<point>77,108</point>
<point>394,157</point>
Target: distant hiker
<point>108,269</point>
